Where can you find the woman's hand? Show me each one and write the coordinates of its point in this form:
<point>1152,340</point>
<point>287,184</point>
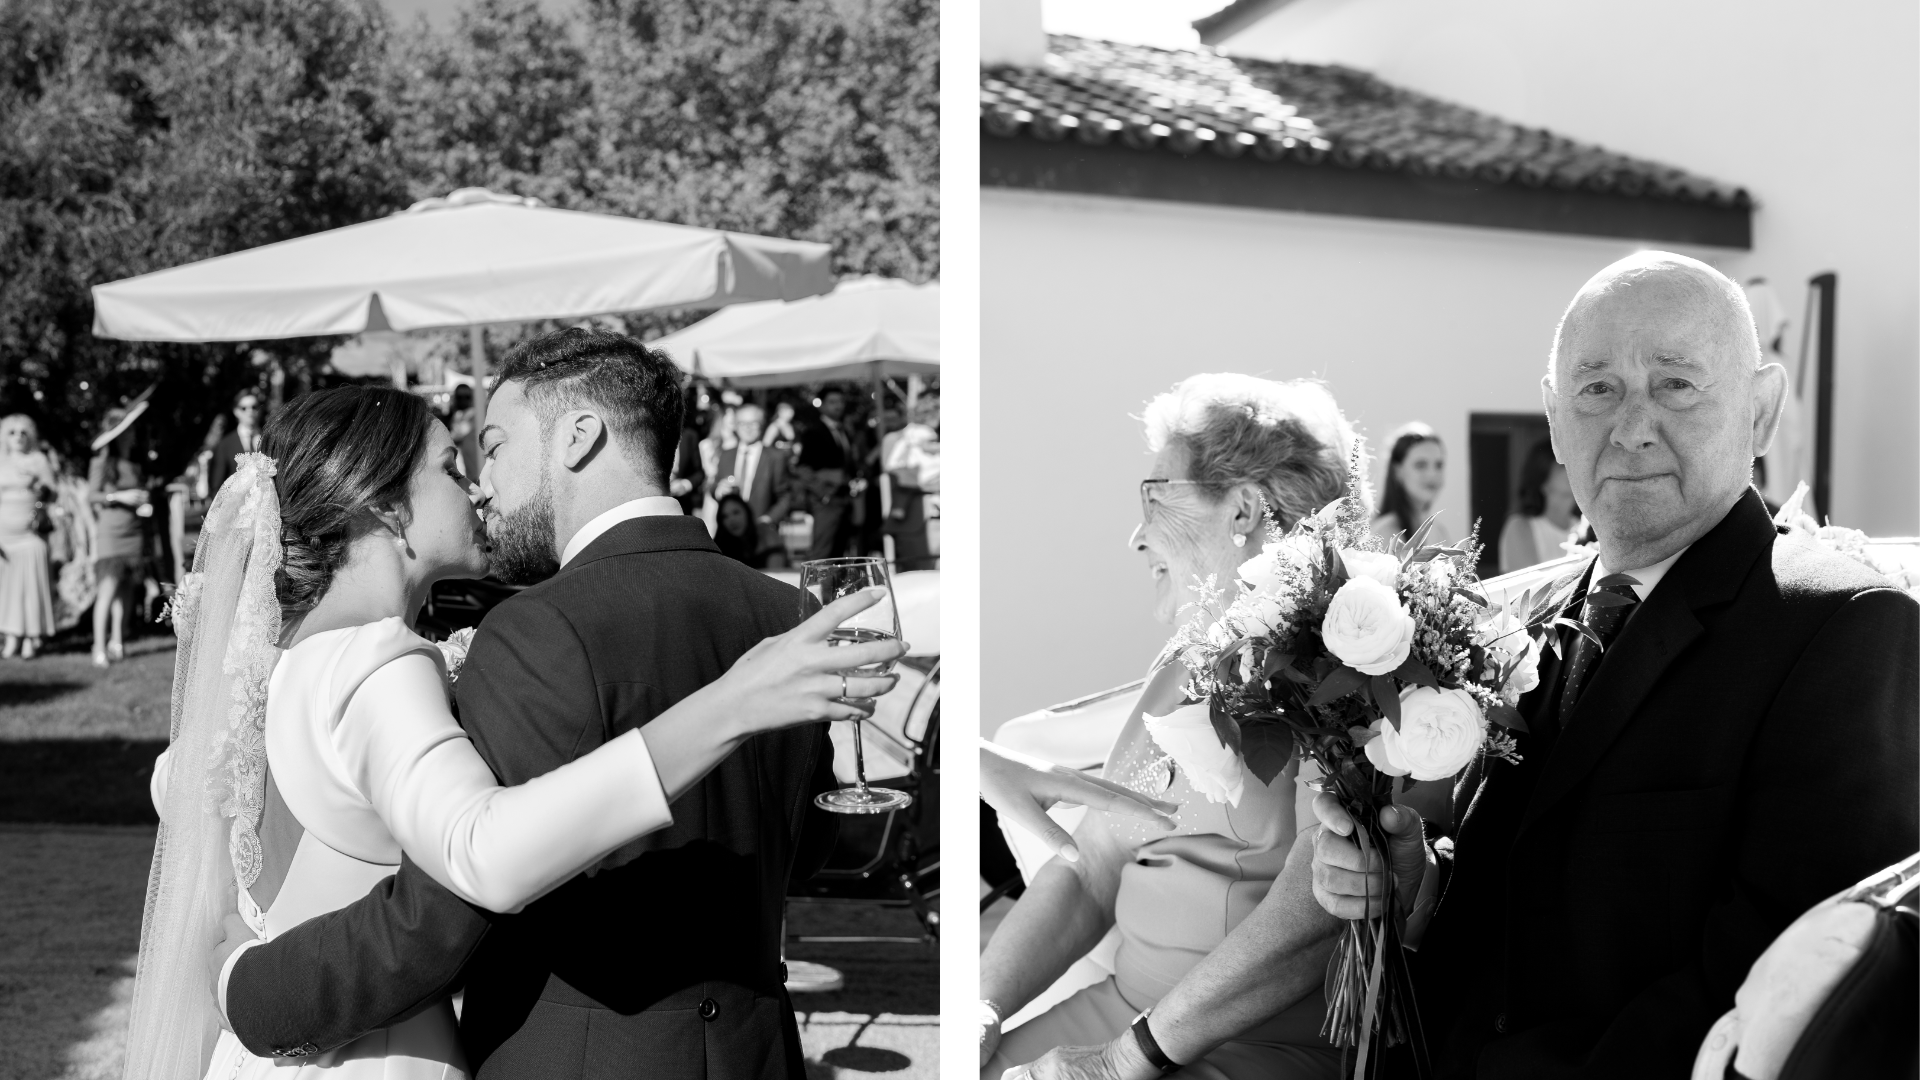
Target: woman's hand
<point>799,677</point>
<point>1021,788</point>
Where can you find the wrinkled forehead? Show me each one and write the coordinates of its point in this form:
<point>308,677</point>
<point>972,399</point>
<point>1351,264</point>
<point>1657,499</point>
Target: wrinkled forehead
<point>1660,315</point>
<point>1172,462</point>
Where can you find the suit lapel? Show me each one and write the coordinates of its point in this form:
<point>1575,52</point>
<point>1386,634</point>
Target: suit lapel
<point>1710,573</point>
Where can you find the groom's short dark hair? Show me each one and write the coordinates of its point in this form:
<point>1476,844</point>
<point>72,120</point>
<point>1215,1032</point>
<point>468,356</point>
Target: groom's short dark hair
<point>635,389</point>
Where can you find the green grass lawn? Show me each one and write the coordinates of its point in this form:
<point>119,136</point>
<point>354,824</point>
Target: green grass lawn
<point>76,750</point>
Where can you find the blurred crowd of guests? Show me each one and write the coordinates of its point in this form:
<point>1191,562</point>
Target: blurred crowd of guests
<point>782,482</point>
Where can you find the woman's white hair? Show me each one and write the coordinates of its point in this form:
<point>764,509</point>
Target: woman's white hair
<point>1289,439</point>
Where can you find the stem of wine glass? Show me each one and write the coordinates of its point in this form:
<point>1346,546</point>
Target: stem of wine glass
<point>859,759</point>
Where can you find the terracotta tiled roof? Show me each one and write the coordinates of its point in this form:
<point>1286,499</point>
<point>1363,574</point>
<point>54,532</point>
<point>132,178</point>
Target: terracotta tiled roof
<point>1188,102</point>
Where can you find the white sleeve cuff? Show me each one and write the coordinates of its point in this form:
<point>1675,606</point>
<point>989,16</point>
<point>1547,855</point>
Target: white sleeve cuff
<point>226,972</point>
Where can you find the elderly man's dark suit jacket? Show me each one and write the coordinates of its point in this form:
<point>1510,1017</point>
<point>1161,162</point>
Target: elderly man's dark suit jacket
<point>1746,748</point>
<point>665,963</point>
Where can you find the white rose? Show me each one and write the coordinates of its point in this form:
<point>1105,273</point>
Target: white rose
<point>1186,734</point>
<point>1367,628</point>
<point>1506,637</point>
<point>1440,731</point>
<point>454,650</point>
<point>1381,567</point>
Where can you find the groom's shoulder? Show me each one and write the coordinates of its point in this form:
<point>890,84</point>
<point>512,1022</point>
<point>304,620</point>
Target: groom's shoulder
<point>656,581</point>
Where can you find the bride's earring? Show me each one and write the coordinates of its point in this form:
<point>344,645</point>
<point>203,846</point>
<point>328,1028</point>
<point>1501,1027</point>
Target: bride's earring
<point>1239,539</point>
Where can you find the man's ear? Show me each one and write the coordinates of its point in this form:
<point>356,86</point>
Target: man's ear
<point>578,437</point>
<point>1548,401</point>
<point>1769,396</point>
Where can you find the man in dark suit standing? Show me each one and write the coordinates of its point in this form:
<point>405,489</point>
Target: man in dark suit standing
<point>249,415</point>
<point>664,960</point>
<point>1741,747</point>
<point>757,473</point>
<point>829,461</point>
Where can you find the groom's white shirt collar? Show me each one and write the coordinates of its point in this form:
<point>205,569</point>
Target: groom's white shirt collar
<point>1647,576</point>
<point>651,506</point>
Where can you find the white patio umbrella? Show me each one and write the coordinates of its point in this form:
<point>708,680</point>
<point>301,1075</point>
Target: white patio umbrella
<point>472,258</point>
<point>866,328</point>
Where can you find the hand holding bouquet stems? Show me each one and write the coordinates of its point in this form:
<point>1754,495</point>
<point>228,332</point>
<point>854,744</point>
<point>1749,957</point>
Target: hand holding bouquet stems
<point>1351,883</point>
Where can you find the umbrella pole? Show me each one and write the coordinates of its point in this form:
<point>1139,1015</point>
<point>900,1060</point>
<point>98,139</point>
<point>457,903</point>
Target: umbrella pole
<point>477,351</point>
<point>885,481</point>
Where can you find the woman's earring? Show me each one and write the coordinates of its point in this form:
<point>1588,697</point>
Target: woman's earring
<point>1239,539</point>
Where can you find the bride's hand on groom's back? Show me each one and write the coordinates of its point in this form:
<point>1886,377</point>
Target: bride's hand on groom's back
<point>799,678</point>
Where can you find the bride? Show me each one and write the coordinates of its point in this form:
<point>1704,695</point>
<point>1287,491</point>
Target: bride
<point>313,745</point>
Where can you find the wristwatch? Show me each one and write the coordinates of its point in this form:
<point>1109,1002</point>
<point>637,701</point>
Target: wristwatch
<point>1144,1036</point>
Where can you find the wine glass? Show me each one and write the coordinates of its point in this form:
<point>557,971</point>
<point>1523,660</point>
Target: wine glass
<point>823,581</point>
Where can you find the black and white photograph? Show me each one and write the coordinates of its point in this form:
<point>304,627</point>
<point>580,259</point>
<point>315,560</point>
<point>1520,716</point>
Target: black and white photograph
<point>1449,525</point>
<point>470,511</point>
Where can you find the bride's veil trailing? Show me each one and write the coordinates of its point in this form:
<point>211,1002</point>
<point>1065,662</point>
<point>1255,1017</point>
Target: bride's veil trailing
<point>227,618</point>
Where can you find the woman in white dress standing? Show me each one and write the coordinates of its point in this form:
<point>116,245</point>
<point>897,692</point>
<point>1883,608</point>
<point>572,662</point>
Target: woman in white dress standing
<point>313,743</point>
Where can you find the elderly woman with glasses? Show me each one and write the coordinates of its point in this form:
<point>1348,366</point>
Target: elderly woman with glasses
<point>1222,950</point>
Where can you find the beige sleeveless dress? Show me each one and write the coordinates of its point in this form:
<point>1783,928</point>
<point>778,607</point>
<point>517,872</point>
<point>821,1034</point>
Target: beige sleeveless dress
<point>1180,895</point>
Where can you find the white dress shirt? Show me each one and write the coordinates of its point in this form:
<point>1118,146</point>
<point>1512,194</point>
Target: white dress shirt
<point>745,462</point>
<point>650,506</point>
<point>1647,577</point>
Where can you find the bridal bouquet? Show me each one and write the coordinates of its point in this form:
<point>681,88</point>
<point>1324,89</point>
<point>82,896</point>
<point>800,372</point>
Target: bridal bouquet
<point>1378,659</point>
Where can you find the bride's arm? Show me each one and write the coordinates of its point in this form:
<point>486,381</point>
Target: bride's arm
<point>500,847</point>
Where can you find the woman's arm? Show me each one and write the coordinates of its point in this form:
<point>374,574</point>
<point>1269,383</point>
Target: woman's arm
<point>500,847</point>
<point>1516,545</point>
<point>1064,913</point>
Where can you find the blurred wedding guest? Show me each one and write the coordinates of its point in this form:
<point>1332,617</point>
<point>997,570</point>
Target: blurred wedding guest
<point>911,458</point>
<point>1548,517</point>
<point>1219,935</point>
<point>249,416</point>
<point>1416,471</point>
<point>781,433</point>
<point>735,533</point>
<point>757,473</point>
<point>123,506</point>
<point>687,480</point>
<point>26,580</point>
<point>825,467</point>
<point>463,430</point>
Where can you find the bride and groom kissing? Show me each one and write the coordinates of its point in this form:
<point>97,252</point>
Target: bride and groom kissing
<point>594,851</point>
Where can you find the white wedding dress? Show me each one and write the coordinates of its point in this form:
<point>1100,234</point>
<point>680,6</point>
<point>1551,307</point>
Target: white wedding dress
<point>365,752</point>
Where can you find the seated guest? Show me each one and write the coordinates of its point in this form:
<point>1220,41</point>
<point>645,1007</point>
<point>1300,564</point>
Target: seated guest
<point>1218,931</point>
<point>1416,471</point>
<point>1547,518</point>
<point>738,538</point>
<point>1733,743</point>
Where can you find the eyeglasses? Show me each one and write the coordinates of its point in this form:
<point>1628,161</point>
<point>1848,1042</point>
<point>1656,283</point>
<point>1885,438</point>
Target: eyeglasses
<point>1146,491</point>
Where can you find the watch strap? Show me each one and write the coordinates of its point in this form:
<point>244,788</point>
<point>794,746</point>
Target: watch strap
<point>1143,1035</point>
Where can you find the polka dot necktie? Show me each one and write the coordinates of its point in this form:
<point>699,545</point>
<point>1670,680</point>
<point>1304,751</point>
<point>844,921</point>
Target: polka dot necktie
<point>1585,655</point>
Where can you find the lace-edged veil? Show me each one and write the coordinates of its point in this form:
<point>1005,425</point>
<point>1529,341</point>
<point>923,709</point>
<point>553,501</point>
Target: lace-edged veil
<point>227,619</point>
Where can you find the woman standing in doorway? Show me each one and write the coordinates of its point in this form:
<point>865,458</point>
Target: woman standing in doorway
<point>117,490</point>
<point>1416,471</point>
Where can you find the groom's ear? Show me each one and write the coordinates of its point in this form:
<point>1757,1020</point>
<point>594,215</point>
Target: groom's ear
<point>580,438</point>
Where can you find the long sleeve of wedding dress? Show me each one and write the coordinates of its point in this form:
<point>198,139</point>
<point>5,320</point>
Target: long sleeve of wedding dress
<point>497,847</point>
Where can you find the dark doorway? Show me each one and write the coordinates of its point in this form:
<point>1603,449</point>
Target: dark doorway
<point>1497,447</point>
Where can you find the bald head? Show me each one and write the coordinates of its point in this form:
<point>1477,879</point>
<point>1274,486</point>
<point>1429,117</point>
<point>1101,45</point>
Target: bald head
<point>1658,403</point>
<point>1682,294</point>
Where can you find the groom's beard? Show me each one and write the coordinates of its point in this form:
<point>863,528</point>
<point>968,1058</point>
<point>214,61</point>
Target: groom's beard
<point>522,541</point>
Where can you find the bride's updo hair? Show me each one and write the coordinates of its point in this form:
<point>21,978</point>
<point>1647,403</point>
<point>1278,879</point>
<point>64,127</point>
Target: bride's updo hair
<point>341,455</point>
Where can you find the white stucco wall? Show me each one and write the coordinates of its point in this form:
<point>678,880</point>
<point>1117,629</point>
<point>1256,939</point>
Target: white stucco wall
<point>1815,108</point>
<point>1090,306</point>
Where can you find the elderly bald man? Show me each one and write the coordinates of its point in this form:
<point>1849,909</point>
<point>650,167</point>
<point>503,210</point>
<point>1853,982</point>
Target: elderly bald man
<point>1744,746</point>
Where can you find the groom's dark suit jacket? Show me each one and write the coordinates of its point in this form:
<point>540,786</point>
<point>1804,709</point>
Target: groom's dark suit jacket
<point>664,962</point>
<point>1746,748</point>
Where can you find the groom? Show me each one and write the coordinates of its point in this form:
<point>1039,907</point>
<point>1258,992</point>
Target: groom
<point>1742,748</point>
<point>664,960</point>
